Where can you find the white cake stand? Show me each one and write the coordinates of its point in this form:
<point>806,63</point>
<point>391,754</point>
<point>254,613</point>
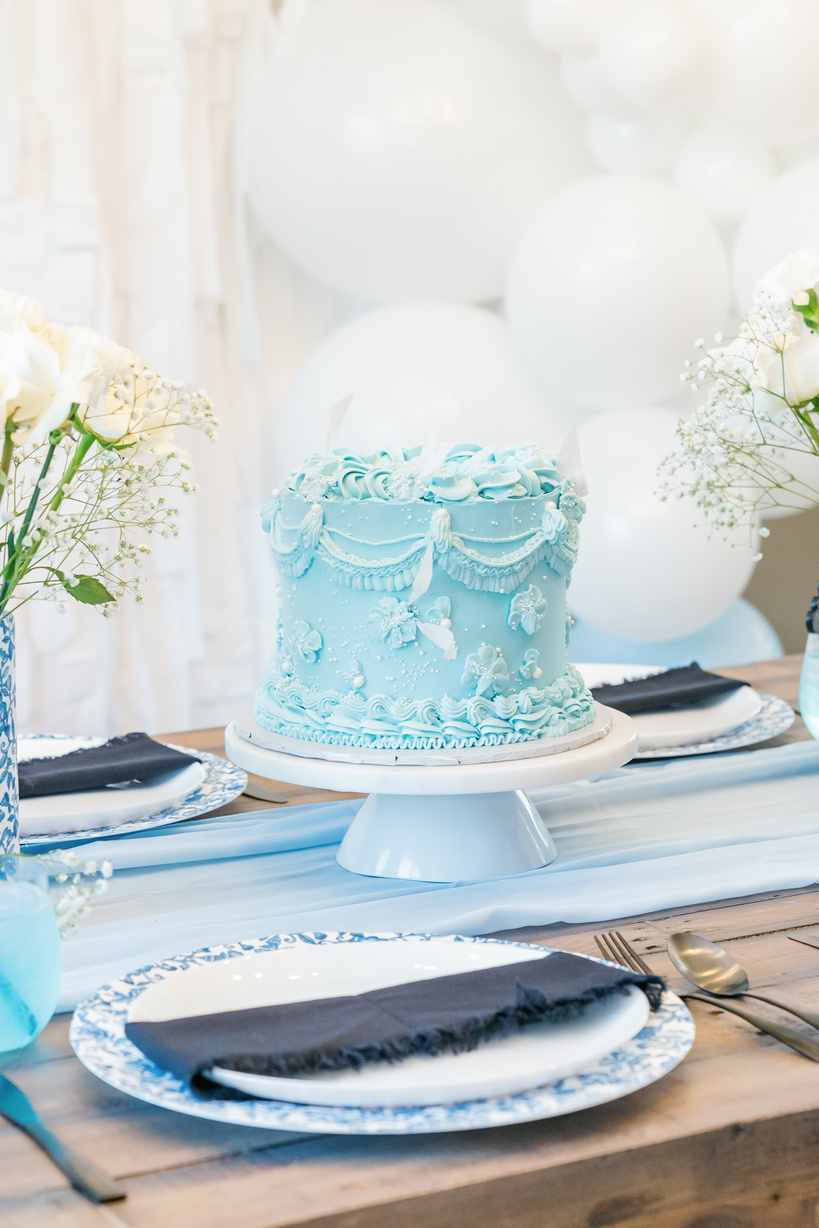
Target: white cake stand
<point>444,823</point>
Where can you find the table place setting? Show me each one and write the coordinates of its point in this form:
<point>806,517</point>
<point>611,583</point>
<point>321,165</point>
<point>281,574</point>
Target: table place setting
<point>430,1033</point>
<point>687,710</point>
<point>79,789</point>
<point>373,1034</point>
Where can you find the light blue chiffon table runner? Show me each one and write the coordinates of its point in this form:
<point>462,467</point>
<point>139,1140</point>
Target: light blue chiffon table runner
<point>645,837</point>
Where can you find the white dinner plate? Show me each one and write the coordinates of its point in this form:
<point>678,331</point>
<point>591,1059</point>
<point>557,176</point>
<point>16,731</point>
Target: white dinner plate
<point>699,723</point>
<point>98,1038</point>
<point>677,728</point>
<point>95,814</point>
<point>109,807</point>
<point>537,1055</point>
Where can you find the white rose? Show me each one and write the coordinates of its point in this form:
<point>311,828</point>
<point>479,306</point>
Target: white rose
<point>793,374</point>
<point>790,280</point>
<point>108,418</point>
<point>15,308</point>
<point>46,368</point>
<point>135,410</point>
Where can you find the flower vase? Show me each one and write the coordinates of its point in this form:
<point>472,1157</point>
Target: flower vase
<point>9,803</point>
<point>809,685</point>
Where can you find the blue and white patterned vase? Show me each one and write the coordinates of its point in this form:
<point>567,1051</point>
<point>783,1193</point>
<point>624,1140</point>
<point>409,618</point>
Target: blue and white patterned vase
<point>9,797</point>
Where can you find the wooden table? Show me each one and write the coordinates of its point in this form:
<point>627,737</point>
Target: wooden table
<point>728,1140</point>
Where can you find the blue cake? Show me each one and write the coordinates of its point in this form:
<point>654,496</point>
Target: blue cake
<point>423,600</point>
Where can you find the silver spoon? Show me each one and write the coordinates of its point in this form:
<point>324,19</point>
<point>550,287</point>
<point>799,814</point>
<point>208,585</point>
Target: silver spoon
<point>711,968</point>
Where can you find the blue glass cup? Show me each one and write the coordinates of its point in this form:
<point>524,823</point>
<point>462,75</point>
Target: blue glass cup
<point>30,959</point>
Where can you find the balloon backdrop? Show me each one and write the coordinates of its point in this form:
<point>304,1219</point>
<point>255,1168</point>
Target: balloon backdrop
<point>759,66</point>
<point>583,80</point>
<point>723,170</point>
<point>398,150</point>
<point>571,26</point>
<point>740,635</point>
<point>609,287</point>
<point>416,372</point>
<point>646,145</point>
<point>783,218</point>
<point>647,570</point>
<point>648,52</point>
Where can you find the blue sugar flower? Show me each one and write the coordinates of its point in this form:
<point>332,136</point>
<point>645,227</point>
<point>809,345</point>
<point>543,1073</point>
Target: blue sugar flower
<point>395,622</point>
<point>305,641</point>
<point>441,612</point>
<point>486,670</point>
<point>529,668</point>
<point>527,610</point>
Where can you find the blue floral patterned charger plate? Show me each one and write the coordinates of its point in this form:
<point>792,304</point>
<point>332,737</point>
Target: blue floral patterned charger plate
<point>222,783</point>
<point>98,1038</point>
<point>773,718</point>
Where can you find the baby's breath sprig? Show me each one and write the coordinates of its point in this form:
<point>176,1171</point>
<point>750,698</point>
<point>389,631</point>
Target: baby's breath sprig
<point>78,881</point>
<point>737,455</point>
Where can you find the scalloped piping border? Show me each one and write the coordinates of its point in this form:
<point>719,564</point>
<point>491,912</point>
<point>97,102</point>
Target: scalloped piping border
<point>384,723</point>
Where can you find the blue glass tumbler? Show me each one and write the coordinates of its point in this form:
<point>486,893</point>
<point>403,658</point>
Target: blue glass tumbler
<point>30,959</point>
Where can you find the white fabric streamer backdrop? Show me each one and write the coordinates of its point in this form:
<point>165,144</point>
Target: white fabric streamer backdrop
<point>121,207</point>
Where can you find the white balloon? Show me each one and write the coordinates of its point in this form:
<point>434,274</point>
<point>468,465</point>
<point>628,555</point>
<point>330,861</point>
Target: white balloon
<point>568,26</point>
<point>583,80</point>
<point>723,170</point>
<point>761,58</point>
<point>504,19</point>
<point>609,287</point>
<point>740,635</point>
<point>647,570</point>
<point>399,150</point>
<point>780,220</point>
<point>649,54</point>
<point>438,371</point>
<point>642,146</point>
<point>796,152</point>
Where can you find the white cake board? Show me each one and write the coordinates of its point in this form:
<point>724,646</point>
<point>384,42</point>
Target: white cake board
<point>248,728</point>
<point>444,823</point>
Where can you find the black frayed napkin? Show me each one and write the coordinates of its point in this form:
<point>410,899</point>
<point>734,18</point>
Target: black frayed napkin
<point>446,1014</point>
<point>134,756</point>
<point>673,688</point>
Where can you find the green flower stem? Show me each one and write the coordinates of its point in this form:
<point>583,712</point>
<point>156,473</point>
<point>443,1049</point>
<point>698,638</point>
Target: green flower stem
<point>20,556</point>
<point>5,460</point>
<point>803,416</point>
<point>83,447</point>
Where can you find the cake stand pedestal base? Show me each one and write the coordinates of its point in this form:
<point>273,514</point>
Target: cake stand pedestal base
<point>442,824</point>
<point>444,839</point>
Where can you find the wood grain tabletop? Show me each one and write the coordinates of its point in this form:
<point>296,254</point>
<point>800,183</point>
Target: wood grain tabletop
<point>730,1139</point>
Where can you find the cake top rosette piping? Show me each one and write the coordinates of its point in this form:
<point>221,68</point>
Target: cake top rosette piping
<point>436,474</point>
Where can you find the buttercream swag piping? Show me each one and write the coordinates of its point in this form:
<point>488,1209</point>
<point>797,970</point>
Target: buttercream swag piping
<point>555,540</point>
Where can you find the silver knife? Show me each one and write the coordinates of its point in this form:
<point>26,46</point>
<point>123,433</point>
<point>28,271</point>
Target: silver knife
<point>810,940</point>
<point>89,1180</point>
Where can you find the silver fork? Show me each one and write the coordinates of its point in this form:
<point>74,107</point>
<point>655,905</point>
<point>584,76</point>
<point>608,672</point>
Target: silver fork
<point>618,950</point>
